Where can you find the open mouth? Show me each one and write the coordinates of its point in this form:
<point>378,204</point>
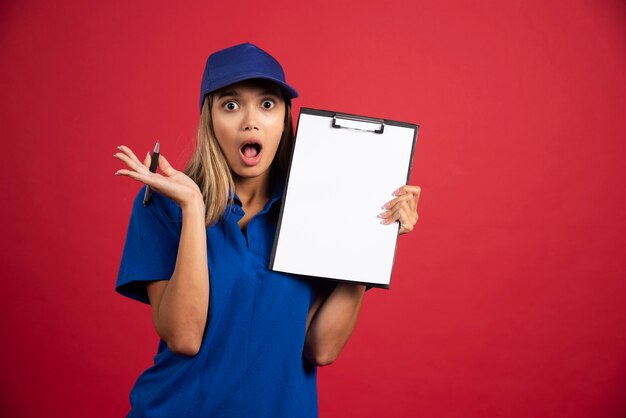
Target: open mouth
<point>251,150</point>
<point>251,153</point>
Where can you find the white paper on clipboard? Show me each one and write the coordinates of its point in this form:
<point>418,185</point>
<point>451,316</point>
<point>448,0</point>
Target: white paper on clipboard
<point>344,168</point>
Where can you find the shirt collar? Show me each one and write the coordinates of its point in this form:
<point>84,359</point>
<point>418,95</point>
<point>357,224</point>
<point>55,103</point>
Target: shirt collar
<point>277,195</point>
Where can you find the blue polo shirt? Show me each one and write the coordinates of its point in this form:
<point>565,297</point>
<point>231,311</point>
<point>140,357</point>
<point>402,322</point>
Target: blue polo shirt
<point>250,363</point>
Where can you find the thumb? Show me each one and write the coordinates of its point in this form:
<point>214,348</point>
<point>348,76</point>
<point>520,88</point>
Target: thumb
<point>165,166</point>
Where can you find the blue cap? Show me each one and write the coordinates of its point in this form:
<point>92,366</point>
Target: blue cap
<point>239,63</point>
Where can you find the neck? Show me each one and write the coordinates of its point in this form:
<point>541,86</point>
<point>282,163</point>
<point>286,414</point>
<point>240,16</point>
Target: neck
<point>253,191</point>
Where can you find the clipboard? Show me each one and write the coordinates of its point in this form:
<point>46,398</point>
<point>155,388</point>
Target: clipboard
<point>344,167</point>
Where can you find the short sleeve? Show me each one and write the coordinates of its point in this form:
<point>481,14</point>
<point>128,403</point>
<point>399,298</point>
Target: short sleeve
<point>151,245</point>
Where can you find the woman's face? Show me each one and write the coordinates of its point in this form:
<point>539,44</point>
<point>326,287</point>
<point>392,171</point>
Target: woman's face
<point>248,121</point>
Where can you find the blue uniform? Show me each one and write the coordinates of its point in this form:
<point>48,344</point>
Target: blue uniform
<point>250,363</point>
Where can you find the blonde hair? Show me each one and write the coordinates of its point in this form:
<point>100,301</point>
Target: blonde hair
<point>209,168</point>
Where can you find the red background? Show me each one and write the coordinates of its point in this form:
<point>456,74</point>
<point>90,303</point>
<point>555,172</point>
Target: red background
<point>506,301</point>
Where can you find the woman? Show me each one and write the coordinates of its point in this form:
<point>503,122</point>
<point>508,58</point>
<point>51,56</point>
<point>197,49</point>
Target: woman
<point>237,340</point>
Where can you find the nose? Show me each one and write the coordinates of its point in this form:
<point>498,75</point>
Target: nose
<point>250,121</point>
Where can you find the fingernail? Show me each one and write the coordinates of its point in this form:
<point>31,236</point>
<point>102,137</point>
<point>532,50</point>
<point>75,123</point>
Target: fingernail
<point>386,205</point>
<point>119,147</point>
<point>382,215</point>
<point>117,173</point>
<point>397,192</point>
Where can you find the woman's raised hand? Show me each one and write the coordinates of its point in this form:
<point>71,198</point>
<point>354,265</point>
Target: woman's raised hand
<point>172,183</point>
<point>403,208</point>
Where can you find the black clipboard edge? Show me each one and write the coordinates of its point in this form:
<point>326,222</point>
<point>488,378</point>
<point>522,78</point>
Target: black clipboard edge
<point>328,113</point>
<point>282,203</point>
<point>333,279</point>
<point>332,114</point>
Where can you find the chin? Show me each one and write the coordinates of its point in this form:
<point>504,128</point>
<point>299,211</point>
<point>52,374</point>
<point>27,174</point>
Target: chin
<point>251,172</point>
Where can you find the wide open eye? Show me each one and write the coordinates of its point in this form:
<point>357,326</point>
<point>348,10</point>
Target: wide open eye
<point>268,104</point>
<point>231,105</point>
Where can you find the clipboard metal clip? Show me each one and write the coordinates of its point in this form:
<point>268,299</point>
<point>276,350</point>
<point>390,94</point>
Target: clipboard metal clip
<point>360,123</point>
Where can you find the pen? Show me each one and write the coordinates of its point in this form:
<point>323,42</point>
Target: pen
<point>154,162</point>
